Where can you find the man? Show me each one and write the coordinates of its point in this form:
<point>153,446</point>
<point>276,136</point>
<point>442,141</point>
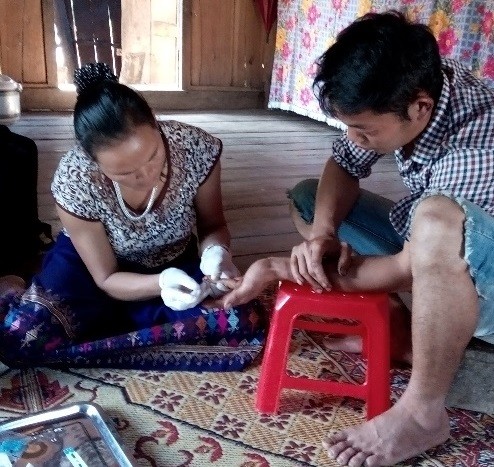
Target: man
<point>384,79</point>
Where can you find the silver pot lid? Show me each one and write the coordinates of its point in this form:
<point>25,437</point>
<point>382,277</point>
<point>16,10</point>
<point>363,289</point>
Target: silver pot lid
<point>8,84</point>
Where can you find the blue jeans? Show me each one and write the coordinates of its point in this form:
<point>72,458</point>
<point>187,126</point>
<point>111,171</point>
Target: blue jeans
<point>367,227</point>
<point>368,230</point>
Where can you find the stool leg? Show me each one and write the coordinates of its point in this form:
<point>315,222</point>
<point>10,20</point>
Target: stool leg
<point>273,369</point>
<point>378,364</point>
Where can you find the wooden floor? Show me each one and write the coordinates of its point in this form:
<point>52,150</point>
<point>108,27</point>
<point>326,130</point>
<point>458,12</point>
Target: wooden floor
<point>265,153</point>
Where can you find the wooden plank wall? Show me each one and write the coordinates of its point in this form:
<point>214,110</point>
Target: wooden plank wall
<point>22,41</point>
<point>228,44</point>
<point>227,62</point>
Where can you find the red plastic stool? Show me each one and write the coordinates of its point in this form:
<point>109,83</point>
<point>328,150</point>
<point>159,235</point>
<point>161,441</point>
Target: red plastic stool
<point>369,309</point>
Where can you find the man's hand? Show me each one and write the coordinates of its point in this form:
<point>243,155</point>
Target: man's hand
<point>247,287</point>
<point>306,261</point>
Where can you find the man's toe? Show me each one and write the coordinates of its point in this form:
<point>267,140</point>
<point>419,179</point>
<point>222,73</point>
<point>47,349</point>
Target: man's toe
<point>334,450</point>
<point>359,459</point>
<point>345,455</point>
<point>334,438</point>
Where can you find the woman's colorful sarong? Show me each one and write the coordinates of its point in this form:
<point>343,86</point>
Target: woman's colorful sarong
<point>64,320</point>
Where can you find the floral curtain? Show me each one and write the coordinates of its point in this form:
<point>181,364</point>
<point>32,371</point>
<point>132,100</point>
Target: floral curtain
<point>306,28</point>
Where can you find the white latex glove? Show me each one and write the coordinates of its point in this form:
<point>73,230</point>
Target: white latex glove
<point>216,262</point>
<point>179,291</point>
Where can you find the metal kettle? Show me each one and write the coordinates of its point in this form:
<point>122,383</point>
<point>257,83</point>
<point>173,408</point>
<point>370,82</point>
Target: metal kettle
<point>10,100</point>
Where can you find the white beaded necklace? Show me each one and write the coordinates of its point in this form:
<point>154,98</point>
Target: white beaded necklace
<point>126,212</point>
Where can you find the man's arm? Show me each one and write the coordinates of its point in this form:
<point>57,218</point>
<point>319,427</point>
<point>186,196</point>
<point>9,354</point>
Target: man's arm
<point>366,274</point>
<point>337,192</point>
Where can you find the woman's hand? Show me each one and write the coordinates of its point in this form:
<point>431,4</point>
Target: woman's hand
<point>216,263</point>
<point>179,291</point>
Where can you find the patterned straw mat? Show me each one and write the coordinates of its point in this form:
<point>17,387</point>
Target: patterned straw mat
<point>198,419</point>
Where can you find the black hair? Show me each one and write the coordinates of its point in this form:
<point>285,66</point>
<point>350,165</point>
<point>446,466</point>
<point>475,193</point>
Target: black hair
<point>106,110</point>
<point>379,63</point>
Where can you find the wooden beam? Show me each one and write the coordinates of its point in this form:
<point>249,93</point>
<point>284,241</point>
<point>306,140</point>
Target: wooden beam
<point>54,99</point>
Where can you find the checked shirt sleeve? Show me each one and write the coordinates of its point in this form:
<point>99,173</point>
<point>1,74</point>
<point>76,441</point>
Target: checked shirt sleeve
<point>356,161</point>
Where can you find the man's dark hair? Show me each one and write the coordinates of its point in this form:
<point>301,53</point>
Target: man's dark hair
<point>379,63</point>
<point>105,109</point>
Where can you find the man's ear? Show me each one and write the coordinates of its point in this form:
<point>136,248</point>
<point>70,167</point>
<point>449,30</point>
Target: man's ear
<point>421,108</point>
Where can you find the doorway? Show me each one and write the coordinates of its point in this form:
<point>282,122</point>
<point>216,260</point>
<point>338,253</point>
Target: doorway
<point>141,40</point>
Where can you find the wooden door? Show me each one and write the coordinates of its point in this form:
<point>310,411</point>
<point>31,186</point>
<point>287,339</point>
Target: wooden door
<point>151,43</point>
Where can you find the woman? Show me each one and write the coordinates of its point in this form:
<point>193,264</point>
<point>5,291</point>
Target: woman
<point>123,284</point>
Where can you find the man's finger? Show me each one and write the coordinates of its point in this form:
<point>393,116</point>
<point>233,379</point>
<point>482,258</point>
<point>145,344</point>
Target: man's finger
<point>317,273</point>
<point>304,272</point>
<point>231,283</point>
<point>294,267</point>
<point>317,251</point>
<point>345,259</point>
<point>235,297</point>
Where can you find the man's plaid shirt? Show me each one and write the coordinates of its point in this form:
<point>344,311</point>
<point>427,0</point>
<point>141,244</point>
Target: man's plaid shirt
<point>454,155</point>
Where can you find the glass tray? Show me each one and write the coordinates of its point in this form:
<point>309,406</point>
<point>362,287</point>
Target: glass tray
<point>76,435</point>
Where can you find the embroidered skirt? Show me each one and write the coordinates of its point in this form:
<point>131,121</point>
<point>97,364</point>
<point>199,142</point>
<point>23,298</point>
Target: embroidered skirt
<point>64,320</point>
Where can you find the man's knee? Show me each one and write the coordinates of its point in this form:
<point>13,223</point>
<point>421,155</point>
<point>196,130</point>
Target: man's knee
<point>437,230</point>
<point>303,197</point>
<point>437,216</point>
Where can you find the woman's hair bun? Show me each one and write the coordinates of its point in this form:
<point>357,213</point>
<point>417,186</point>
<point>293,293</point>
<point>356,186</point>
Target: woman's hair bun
<point>92,74</point>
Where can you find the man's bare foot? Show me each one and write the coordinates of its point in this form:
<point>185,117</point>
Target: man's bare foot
<point>404,431</point>
<point>401,343</point>
<point>350,343</point>
<point>11,284</point>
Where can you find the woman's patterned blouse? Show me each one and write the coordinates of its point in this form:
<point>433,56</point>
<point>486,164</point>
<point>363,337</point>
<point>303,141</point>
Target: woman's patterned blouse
<point>80,188</point>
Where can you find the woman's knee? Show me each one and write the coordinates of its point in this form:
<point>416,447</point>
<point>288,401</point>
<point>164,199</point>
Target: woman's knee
<point>29,332</point>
